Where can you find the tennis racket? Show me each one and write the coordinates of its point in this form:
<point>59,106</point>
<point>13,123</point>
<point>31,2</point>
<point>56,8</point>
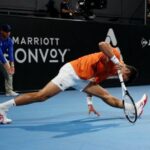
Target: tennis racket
<point>130,109</point>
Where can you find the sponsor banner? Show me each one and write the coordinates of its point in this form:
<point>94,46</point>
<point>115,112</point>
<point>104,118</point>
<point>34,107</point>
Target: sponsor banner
<point>42,46</point>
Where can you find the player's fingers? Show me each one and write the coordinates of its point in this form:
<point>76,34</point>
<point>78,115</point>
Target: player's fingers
<point>97,113</point>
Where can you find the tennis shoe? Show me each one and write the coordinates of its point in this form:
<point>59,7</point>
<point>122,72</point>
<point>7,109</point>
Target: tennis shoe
<point>12,93</point>
<point>3,116</point>
<point>140,105</point>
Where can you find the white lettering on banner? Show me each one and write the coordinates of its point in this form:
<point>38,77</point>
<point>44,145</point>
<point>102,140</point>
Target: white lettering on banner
<point>50,55</point>
<point>111,38</point>
<point>23,54</point>
<point>36,41</point>
<point>44,56</point>
<point>39,48</point>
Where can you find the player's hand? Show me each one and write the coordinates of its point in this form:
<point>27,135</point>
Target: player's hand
<point>119,66</point>
<point>12,70</point>
<point>8,68</point>
<point>92,110</point>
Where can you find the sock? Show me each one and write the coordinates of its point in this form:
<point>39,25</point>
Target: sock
<point>9,103</point>
<point>89,100</point>
<point>128,106</point>
<point>137,104</point>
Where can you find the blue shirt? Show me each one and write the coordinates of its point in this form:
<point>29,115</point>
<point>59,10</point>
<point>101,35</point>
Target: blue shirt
<point>6,47</point>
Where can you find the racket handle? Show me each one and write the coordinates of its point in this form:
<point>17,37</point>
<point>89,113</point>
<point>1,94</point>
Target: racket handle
<point>120,75</point>
<point>121,80</point>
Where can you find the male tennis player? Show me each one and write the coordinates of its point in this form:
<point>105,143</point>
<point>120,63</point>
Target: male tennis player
<point>84,73</point>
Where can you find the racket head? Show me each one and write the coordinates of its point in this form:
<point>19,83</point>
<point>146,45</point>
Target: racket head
<point>130,109</point>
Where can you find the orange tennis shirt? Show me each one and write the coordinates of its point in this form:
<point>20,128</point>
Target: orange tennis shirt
<point>96,65</point>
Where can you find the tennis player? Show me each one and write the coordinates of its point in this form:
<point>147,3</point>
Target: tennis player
<point>83,74</point>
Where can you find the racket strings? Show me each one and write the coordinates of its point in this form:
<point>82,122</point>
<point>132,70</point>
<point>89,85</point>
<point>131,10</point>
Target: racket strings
<point>130,110</point>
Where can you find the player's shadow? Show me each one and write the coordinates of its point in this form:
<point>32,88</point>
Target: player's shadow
<point>70,128</point>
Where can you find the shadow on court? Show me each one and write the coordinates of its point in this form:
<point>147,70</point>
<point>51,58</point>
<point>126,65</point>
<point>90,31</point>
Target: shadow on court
<point>70,128</point>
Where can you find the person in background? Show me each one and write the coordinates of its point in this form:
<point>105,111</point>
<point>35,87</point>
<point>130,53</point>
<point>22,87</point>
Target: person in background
<point>65,9</point>
<point>52,11</point>
<point>7,66</point>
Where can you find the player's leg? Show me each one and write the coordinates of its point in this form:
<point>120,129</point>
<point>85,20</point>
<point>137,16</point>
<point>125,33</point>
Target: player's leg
<point>100,92</point>
<point>59,83</point>
<point>141,104</point>
<point>113,101</point>
<point>48,91</point>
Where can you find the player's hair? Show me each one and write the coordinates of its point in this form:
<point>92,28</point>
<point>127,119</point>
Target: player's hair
<point>133,73</point>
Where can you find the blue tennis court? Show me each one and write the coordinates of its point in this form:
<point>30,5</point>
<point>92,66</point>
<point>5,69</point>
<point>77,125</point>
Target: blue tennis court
<point>63,123</point>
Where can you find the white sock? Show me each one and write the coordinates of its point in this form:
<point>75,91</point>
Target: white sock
<point>9,104</point>
<point>128,106</point>
<point>137,104</point>
<point>89,100</point>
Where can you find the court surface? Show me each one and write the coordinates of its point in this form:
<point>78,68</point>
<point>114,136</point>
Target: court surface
<point>63,123</point>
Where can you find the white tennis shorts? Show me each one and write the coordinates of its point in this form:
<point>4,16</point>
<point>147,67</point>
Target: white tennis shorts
<point>67,78</point>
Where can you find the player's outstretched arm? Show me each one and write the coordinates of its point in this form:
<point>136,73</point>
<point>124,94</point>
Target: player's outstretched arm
<point>91,108</point>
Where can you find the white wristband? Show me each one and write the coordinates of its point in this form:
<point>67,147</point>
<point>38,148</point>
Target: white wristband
<point>89,100</point>
<point>115,60</point>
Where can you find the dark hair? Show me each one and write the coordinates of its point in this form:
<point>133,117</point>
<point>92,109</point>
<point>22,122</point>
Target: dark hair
<point>6,28</point>
<point>133,73</point>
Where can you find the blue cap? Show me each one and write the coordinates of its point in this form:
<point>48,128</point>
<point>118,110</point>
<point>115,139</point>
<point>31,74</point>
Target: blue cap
<point>6,28</point>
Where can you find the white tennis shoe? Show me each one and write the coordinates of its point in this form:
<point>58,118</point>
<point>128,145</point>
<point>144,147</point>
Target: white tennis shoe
<point>140,105</point>
<point>3,116</point>
<point>11,93</point>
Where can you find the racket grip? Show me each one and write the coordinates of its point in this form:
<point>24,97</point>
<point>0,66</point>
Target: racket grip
<point>114,59</point>
<point>120,75</point>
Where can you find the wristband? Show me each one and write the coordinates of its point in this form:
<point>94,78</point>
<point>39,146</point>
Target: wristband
<point>89,100</point>
<point>114,59</point>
